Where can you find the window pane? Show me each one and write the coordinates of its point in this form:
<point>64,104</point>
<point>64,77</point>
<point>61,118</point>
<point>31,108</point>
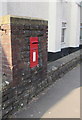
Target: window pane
<point>63,33</point>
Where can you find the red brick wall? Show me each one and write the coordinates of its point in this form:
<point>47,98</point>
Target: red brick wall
<point>24,82</point>
<point>6,52</point>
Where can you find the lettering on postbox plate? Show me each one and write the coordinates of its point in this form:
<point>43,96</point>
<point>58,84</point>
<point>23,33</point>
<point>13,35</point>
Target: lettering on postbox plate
<point>33,51</point>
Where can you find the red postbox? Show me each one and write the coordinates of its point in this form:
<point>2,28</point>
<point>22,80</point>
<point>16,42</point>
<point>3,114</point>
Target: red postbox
<point>33,51</point>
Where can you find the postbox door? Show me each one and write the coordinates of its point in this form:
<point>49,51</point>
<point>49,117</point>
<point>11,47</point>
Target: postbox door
<point>33,51</point>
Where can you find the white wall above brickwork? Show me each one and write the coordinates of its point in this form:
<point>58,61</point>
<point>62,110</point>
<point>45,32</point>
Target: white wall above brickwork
<point>3,8</point>
<point>55,11</point>
<point>55,22</point>
<point>74,25</point>
<point>30,9</point>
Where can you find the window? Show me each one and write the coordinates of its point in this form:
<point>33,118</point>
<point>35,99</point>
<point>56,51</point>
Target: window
<point>63,34</point>
<point>63,31</point>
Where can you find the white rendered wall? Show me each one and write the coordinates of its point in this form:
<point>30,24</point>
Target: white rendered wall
<point>71,14</point>
<point>29,9</point>
<point>74,25</point>
<point>55,12</point>
<point>58,13</point>
<point>54,26</point>
<point>65,13</point>
<point>3,8</point>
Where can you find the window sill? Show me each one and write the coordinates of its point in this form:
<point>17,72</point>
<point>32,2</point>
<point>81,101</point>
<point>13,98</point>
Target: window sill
<point>62,43</point>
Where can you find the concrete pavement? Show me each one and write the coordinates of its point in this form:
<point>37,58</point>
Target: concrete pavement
<point>60,100</point>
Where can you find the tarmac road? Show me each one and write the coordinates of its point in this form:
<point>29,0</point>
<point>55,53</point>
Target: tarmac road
<point>60,100</point>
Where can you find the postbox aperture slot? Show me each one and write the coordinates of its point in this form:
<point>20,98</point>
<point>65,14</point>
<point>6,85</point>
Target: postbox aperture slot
<point>34,42</point>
